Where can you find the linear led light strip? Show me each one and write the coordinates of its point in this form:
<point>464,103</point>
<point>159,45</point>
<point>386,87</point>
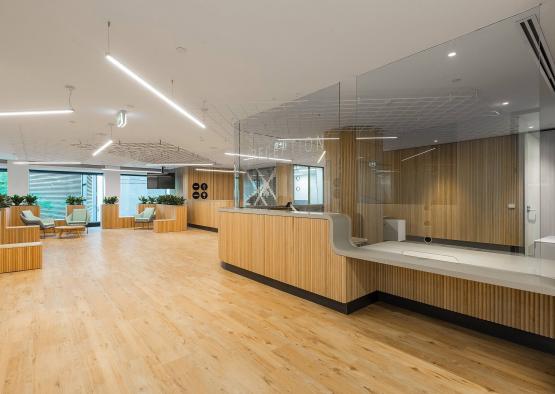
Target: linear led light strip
<point>418,154</point>
<point>336,138</point>
<point>31,113</point>
<point>216,170</point>
<point>321,157</point>
<point>378,138</point>
<point>107,144</point>
<point>257,157</point>
<point>47,163</point>
<point>154,91</point>
<point>122,170</point>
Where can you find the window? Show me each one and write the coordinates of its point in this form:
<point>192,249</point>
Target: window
<point>3,181</point>
<point>308,185</point>
<point>131,188</point>
<point>52,189</point>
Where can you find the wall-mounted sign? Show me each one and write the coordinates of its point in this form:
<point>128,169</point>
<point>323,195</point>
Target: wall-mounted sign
<point>204,195</point>
<point>196,195</point>
<point>196,186</point>
<point>204,186</point>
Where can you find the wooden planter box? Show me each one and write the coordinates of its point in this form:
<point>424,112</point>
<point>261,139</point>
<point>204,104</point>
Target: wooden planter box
<point>111,218</point>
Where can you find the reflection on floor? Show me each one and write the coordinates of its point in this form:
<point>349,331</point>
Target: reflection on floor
<point>130,311</point>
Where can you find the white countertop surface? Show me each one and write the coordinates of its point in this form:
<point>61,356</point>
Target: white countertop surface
<point>513,271</point>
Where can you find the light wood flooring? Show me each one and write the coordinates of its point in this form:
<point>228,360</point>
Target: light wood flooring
<point>133,311</point>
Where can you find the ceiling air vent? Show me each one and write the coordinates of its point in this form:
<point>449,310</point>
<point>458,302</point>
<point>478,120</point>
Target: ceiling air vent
<point>535,39</point>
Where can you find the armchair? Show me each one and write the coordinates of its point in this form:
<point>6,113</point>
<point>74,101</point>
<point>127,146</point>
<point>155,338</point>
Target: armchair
<point>30,219</point>
<point>79,217</point>
<point>147,216</point>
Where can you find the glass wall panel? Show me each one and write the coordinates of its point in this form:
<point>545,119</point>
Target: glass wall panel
<point>300,184</point>
<point>52,189</point>
<point>131,188</point>
<point>3,181</point>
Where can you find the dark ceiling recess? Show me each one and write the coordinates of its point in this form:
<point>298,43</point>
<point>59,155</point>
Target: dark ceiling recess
<point>536,40</point>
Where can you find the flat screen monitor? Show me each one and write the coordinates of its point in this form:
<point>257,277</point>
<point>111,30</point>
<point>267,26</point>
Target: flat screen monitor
<point>160,181</point>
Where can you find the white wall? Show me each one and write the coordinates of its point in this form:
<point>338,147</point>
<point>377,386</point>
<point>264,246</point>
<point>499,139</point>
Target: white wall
<point>112,185</point>
<point>18,179</point>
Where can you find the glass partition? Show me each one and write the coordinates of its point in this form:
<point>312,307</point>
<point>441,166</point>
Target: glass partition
<point>53,187</point>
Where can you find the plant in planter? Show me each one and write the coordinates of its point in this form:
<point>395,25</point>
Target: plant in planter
<point>110,200</point>
<point>170,199</point>
<point>30,199</point>
<point>152,200</point>
<point>143,200</point>
<point>17,199</point>
<point>75,200</point>
<point>5,201</point>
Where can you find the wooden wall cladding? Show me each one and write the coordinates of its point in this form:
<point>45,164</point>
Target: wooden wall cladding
<point>141,207</point>
<point>170,218</point>
<point>20,257</point>
<point>220,185</point>
<point>459,191</point>
<point>293,250</point>
<point>13,217</point>
<point>284,183</point>
<point>519,309</point>
<point>205,212</point>
<point>111,218</point>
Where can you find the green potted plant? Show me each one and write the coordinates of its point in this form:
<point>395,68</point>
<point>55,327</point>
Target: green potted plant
<point>5,201</point>
<point>30,199</point>
<point>143,200</point>
<point>111,200</point>
<point>152,200</point>
<point>170,199</point>
<point>75,200</point>
<point>17,199</point>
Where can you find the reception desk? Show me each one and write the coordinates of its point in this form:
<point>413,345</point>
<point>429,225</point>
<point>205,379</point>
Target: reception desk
<point>312,256</point>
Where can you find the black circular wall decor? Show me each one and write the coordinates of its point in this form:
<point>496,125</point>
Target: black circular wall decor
<point>196,186</point>
<point>428,240</point>
<point>196,195</point>
<point>204,186</point>
<point>204,195</point>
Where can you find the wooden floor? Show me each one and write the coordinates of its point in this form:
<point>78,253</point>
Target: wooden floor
<point>129,311</point>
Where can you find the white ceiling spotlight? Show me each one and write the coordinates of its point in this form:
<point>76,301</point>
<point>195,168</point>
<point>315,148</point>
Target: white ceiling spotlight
<point>452,54</point>
<point>121,119</point>
<point>504,103</point>
<point>69,110</point>
<point>107,144</point>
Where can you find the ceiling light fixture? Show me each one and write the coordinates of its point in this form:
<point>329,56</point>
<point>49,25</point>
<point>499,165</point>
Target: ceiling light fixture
<point>418,154</point>
<point>378,138</point>
<point>216,170</point>
<point>33,113</point>
<point>310,139</point>
<point>530,127</point>
<point>123,170</point>
<point>321,157</point>
<point>505,103</point>
<point>257,157</point>
<point>452,54</point>
<point>180,164</point>
<point>47,163</point>
<point>107,144</point>
<point>153,90</point>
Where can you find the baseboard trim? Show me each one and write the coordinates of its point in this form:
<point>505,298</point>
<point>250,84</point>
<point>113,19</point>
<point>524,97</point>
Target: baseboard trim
<point>205,228</point>
<point>520,337</point>
<point>342,307</point>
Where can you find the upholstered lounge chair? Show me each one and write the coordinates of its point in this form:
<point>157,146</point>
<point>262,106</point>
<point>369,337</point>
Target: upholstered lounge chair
<point>30,219</point>
<point>145,217</point>
<point>79,217</point>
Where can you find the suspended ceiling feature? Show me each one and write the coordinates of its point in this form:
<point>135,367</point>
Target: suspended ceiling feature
<point>148,153</point>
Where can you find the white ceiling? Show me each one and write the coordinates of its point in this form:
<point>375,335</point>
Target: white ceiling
<point>241,57</point>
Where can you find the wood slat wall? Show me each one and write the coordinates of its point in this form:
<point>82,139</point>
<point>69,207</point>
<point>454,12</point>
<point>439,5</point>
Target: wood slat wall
<point>284,183</point>
<point>519,309</point>
<point>220,185</point>
<point>170,218</point>
<point>292,250</point>
<point>459,191</point>
<point>205,212</point>
<point>20,258</point>
<point>16,234</point>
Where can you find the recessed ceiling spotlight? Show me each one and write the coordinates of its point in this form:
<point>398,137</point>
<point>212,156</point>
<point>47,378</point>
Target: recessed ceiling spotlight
<point>530,127</point>
<point>436,141</point>
<point>452,54</point>
<point>181,50</point>
<point>505,103</point>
